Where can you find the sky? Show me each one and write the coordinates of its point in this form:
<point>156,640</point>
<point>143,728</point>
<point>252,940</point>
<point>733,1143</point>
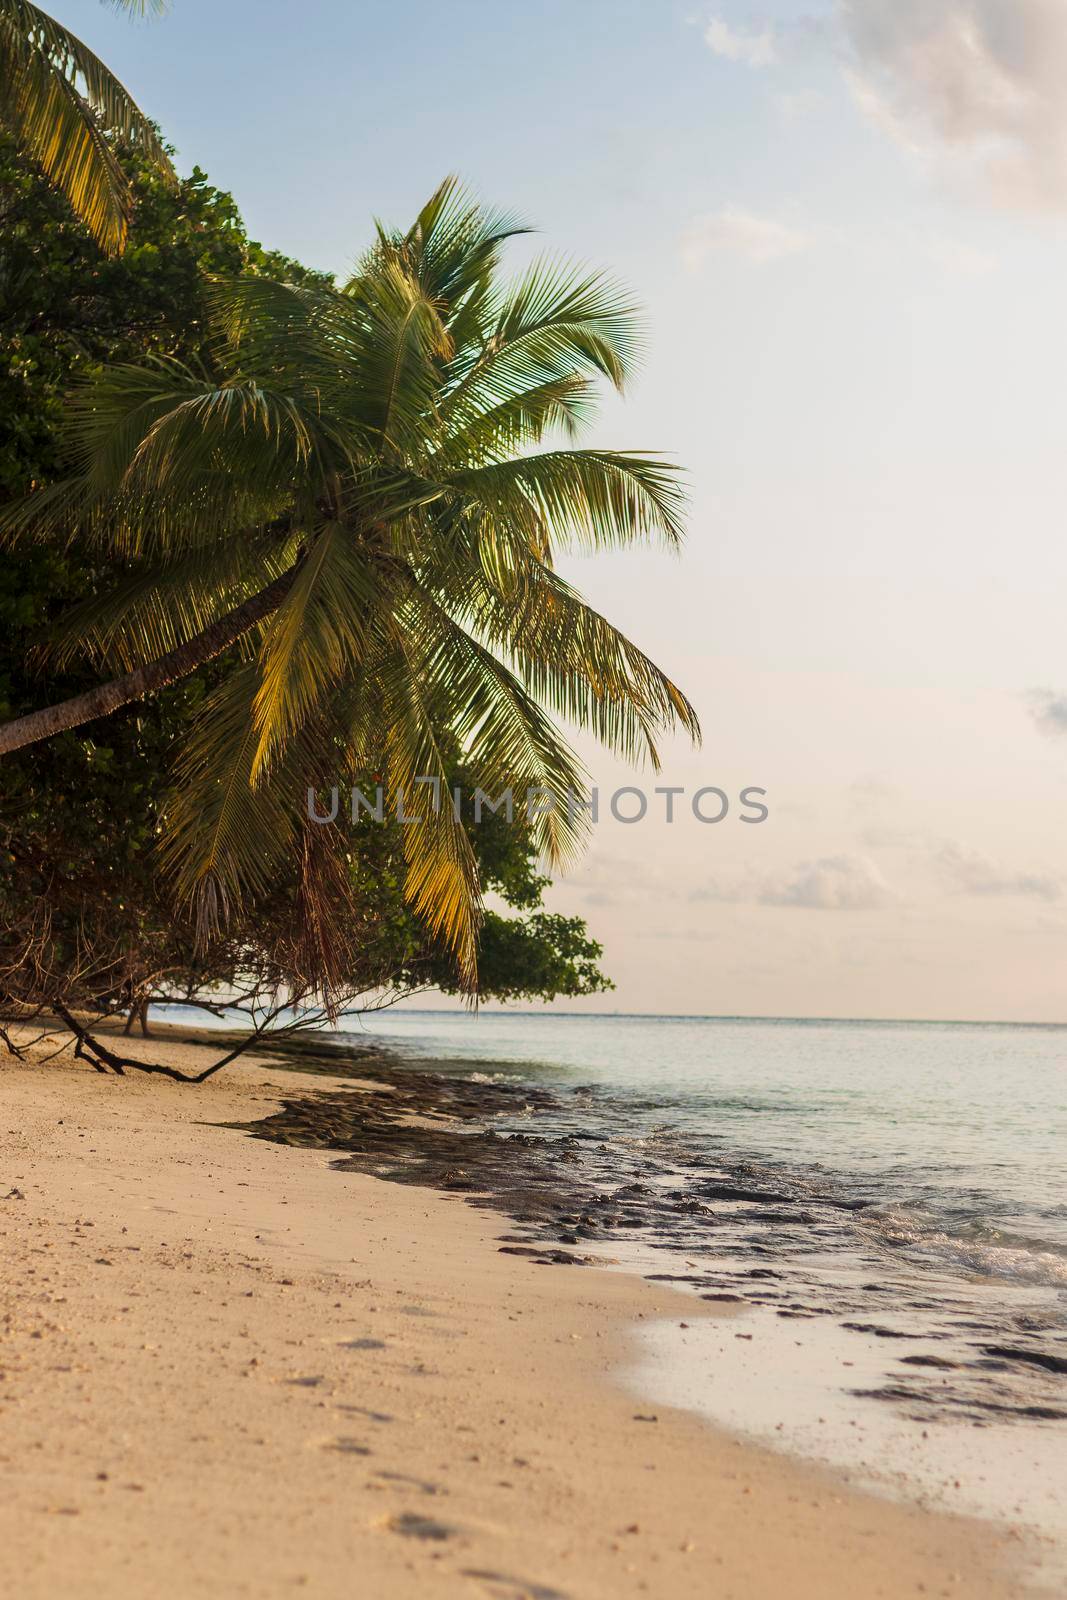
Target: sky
<point>847,223</point>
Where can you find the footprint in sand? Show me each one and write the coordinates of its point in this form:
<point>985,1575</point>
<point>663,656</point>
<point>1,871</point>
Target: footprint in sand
<point>411,1526</point>
<point>506,1587</point>
<point>362,1411</point>
<point>405,1477</point>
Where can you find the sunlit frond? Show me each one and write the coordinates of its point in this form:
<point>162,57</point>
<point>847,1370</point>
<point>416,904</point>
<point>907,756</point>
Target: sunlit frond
<point>319,636</point>
<point>442,877</point>
<point>225,836</point>
<point>62,102</point>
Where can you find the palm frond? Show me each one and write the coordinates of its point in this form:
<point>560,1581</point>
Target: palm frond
<point>225,838</point>
<point>62,101</point>
<point>167,460</point>
<point>452,249</point>
<point>54,127</point>
<point>222,838</point>
<point>317,638</point>
<point>159,606</point>
<point>404,347</point>
<point>595,499</point>
<point>441,881</point>
<point>573,660</point>
<point>507,740</point>
<point>302,337</point>
<point>516,421</point>
<point>555,321</point>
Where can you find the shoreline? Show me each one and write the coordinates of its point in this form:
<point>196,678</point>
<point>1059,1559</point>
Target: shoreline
<point>230,1360</point>
<point>783,1384</point>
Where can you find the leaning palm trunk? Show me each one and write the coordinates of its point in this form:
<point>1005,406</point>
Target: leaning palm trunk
<point>166,669</point>
<point>60,101</point>
<point>387,452</point>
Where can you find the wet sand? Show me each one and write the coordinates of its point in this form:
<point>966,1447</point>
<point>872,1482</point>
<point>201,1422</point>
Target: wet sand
<point>230,1369</point>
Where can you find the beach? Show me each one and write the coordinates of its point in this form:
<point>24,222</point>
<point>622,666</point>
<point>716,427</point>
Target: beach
<point>533,742</point>
<point>229,1368</point>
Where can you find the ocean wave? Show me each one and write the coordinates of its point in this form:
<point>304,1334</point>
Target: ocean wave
<point>982,1248</point>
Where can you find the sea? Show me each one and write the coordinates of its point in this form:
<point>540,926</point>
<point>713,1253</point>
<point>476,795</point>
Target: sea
<point>878,1210</point>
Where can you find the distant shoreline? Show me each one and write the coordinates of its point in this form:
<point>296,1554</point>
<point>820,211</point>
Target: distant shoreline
<point>556,1013</point>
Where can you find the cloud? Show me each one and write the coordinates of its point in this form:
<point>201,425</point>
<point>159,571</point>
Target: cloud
<point>833,883</point>
<point>1049,711</point>
<point>736,232</point>
<point>977,81</point>
<point>755,49</point>
<point>970,872</point>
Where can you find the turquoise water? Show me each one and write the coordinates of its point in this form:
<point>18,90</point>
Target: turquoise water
<point>955,1132</point>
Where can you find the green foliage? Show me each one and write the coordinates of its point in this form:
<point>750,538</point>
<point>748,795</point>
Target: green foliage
<point>390,449</point>
<point>65,309</point>
<point>538,957</point>
<point>535,955</point>
<point>531,955</point>
<point>80,814</point>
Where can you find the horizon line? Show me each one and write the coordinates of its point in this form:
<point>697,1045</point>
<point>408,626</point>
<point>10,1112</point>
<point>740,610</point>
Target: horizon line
<point>715,1016</point>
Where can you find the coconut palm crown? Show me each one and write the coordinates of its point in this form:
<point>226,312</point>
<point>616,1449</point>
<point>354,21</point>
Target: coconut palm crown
<point>60,101</point>
<point>375,482</point>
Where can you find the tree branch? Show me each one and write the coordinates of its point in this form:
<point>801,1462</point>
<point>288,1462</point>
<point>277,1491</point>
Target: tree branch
<point>102,1059</point>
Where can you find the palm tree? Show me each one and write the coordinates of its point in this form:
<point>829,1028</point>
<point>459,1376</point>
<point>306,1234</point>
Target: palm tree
<point>365,495</point>
<point>59,100</point>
